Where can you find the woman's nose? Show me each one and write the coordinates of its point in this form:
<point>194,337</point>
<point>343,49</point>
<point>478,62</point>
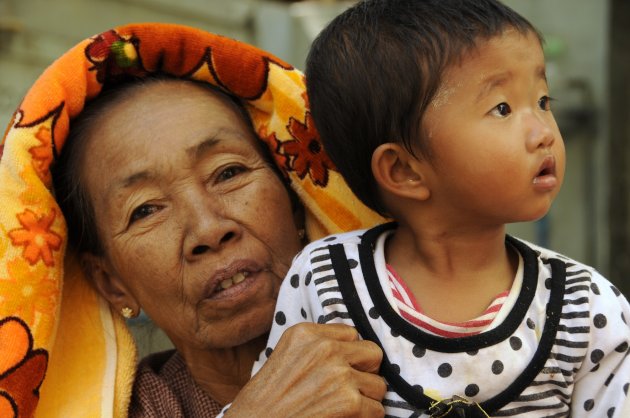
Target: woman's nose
<point>207,228</point>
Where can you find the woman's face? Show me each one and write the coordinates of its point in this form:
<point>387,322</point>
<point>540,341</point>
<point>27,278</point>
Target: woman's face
<point>197,229</point>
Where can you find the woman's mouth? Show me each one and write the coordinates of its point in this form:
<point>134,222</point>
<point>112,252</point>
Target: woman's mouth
<point>235,278</point>
<point>231,281</point>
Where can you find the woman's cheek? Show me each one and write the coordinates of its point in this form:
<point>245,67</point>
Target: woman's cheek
<point>145,262</point>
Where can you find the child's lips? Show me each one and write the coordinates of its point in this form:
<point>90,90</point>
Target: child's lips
<point>545,178</point>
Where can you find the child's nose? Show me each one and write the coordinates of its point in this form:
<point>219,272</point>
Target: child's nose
<point>540,133</point>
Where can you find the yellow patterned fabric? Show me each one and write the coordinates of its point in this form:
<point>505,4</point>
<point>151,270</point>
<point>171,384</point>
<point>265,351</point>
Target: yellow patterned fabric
<point>63,352</point>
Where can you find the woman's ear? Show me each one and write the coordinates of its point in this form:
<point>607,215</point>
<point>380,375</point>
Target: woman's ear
<point>109,285</point>
<point>299,217</point>
<point>299,213</point>
<point>399,173</point>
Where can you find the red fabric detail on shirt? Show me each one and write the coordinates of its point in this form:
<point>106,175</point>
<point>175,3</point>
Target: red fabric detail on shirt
<point>401,291</point>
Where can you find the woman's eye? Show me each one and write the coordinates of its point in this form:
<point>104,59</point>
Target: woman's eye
<point>502,109</point>
<point>545,103</point>
<point>142,212</point>
<point>229,172</point>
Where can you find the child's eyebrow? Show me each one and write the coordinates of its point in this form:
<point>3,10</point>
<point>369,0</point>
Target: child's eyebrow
<point>491,82</point>
<point>542,72</point>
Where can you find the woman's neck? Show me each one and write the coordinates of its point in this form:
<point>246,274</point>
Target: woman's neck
<point>222,373</point>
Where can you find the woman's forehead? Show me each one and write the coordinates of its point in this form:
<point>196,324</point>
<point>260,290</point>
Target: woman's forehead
<point>174,97</point>
<point>171,110</point>
<point>166,123</point>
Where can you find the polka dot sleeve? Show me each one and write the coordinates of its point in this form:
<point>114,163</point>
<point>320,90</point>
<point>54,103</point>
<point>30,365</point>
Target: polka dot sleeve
<point>295,304</point>
<point>601,384</point>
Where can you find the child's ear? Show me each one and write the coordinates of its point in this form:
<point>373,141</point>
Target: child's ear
<point>398,172</point>
<point>109,285</point>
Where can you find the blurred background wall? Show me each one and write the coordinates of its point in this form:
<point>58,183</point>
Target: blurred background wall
<point>588,57</point>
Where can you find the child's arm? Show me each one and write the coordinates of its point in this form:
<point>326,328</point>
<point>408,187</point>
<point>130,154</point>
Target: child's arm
<point>601,385</point>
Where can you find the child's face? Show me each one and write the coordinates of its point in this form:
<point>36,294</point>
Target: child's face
<point>499,156</point>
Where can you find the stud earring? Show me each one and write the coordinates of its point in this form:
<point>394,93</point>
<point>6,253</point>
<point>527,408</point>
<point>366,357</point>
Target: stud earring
<point>127,312</point>
<point>301,233</point>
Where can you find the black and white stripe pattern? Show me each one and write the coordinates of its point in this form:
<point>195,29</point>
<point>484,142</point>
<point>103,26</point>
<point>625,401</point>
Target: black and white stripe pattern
<point>583,371</point>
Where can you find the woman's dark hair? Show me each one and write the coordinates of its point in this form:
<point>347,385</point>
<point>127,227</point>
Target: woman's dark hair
<point>372,72</point>
<point>69,187</point>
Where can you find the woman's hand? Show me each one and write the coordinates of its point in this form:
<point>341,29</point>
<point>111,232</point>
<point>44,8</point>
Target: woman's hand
<point>316,371</point>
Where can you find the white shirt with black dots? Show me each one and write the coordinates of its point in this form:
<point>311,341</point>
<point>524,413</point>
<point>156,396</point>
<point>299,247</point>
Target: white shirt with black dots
<point>558,347</point>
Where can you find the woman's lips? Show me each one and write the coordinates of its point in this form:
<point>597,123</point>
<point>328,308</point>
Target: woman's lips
<point>232,280</point>
<point>545,178</point>
<point>233,290</point>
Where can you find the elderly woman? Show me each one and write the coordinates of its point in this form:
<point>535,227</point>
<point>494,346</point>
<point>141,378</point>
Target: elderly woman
<point>173,206</point>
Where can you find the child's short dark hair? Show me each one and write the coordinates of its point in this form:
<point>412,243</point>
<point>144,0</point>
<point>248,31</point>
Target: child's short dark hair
<point>372,72</point>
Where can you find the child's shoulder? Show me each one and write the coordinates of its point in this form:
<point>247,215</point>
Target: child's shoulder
<point>546,254</point>
<point>354,237</point>
<point>351,237</point>
<point>599,284</point>
<point>320,248</point>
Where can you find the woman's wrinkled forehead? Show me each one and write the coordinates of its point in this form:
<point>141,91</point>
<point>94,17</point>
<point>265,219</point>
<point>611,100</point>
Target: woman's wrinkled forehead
<point>126,112</point>
<point>161,93</point>
<point>171,111</point>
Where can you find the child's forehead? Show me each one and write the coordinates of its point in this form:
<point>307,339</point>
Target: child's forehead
<point>491,59</point>
<point>513,60</point>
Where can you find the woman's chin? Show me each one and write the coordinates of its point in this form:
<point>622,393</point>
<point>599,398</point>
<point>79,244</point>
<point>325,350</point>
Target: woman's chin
<point>242,328</point>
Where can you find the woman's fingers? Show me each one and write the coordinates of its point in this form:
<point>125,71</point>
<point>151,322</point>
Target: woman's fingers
<point>362,355</point>
<point>373,409</point>
<point>317,371</point>
<point>338,332</point>
<point>372,386</point>
<point>339,346</point>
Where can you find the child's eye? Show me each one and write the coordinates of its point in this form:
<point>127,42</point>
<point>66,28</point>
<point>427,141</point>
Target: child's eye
<point>545,103</point>
<point>230,172</point>
<point>502,109</point>
<point>142,212</point>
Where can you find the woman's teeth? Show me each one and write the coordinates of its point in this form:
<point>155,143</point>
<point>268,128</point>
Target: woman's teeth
<point>236,279</point>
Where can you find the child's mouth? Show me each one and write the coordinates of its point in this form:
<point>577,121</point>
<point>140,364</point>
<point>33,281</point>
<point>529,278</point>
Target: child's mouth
<point>546,176</point>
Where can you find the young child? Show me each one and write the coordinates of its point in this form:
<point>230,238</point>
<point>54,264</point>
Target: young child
<point>437,113</point>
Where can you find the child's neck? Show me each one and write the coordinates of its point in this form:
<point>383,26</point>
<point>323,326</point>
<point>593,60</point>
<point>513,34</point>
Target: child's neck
<point>454,277</point>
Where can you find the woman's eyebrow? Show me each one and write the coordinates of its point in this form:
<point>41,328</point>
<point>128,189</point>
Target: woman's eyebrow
<point>223,135</point>
<point>129,181</point>
<point>197,151</point>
